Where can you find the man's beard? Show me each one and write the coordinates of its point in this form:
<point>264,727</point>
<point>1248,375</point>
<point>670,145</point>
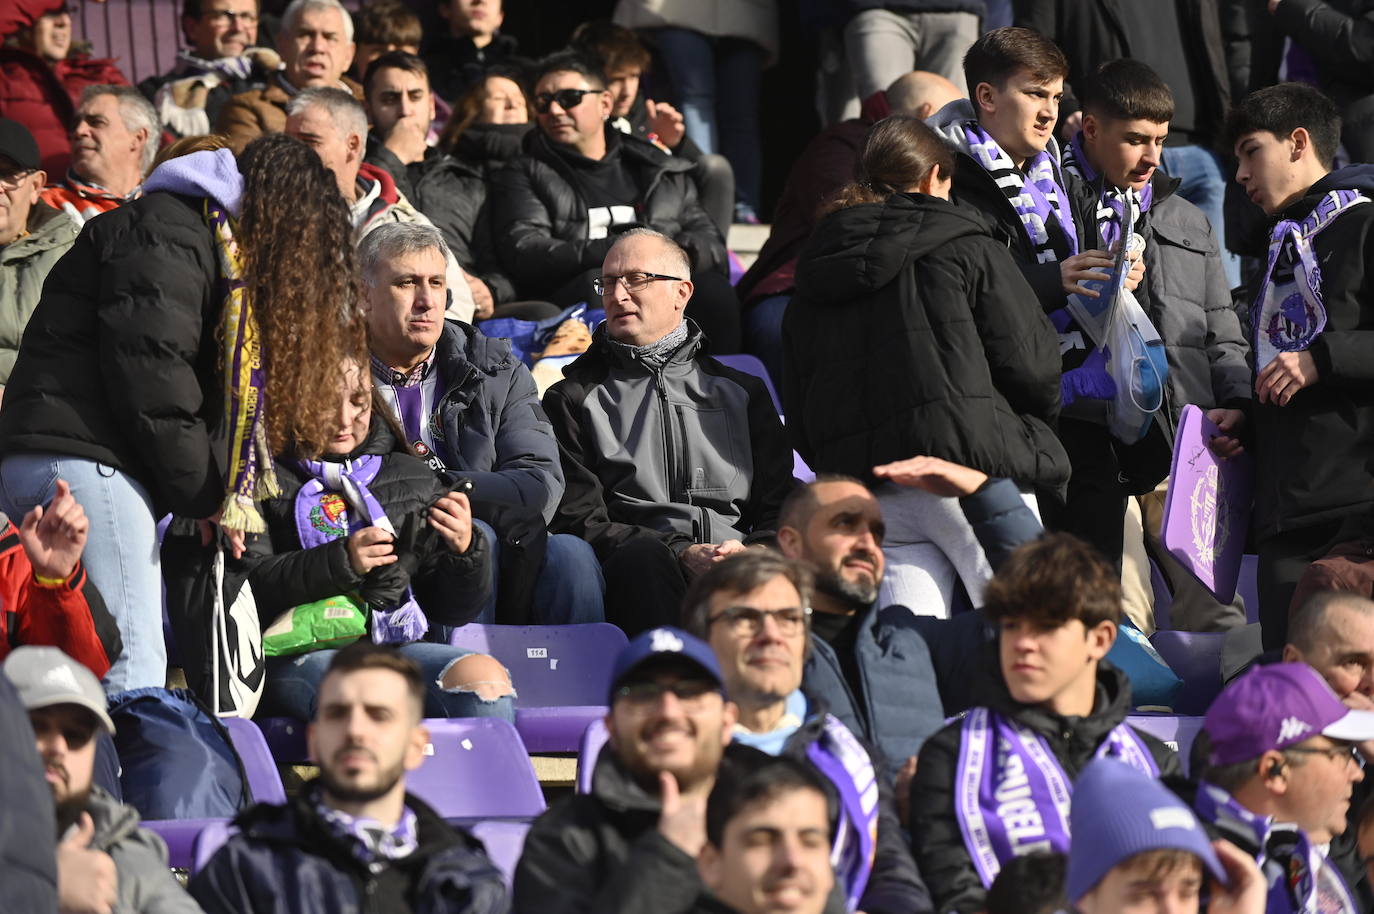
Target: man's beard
<point>857,595</point>
<point>70,807</point>
<point>348,793</point>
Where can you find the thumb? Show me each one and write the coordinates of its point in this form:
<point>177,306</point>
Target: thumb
<point>30,521</point>
<point>85,831</point>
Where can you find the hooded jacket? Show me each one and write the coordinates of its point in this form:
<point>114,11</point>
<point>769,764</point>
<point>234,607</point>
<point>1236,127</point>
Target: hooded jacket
<point>1312,456</point>
<point>937,839</point>
<point>909,310</point>
<point>146,885</point>
<point>24,264</point>
<point>119,363</point>
<point>540,219</point>
<point>602,853</point>
<point>285,860</point>
<point>693,453</point>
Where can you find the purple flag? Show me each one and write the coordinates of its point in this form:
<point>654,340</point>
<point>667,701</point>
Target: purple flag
<point>1207,511</point>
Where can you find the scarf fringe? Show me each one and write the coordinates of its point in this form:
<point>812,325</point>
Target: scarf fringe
<point>240,513</point>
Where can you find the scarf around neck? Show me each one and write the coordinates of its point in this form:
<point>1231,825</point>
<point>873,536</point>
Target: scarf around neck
<point>1035,194</point>
<point>657,354</point>
<point>1111,205</point>
<point>372,843</point>
<point>188,64</point>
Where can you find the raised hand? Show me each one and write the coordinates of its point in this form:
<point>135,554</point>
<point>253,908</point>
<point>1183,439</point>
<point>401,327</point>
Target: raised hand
<point>54,537</point>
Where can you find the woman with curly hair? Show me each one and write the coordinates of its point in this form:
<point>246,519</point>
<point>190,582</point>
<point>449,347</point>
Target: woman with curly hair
<point>185,338</point>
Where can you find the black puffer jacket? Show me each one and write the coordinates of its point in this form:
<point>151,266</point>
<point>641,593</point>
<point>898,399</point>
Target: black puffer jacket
<point>912,333</point>
<point>936,836</point>
<point>119,362</point>
<point>540,219</point>
<point>450,588</point>
<point>453,194</point>
<point>1313,455</point>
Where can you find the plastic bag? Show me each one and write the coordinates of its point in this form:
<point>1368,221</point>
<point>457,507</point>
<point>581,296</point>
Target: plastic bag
<point>331,622</point>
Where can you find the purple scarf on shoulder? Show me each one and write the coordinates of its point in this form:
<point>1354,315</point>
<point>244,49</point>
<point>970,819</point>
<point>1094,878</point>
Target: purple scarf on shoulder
<point>1036,194</point>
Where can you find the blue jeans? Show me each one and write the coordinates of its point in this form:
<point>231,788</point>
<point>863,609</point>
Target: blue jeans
<point>121,555</point>
<point>763,333</point>
<point>569,588</point>
<point>293,682</point>
<point>725,121</point>
<point>1204,186</point>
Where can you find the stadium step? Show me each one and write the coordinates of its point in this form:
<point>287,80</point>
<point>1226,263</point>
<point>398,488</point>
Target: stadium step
<point>746,241</point>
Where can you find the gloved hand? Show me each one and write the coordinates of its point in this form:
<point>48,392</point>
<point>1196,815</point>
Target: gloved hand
<point>1089,380</point>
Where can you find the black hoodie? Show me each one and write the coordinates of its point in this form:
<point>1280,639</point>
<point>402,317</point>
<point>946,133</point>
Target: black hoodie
<point>937,839</point>
<point>912,332</point>
<point>1313,456</point>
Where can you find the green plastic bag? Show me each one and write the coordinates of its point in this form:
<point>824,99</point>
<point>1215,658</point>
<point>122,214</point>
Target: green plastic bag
<point>331,622</point>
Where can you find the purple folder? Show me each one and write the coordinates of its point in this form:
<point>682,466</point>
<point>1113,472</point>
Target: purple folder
<point>1207,512</point>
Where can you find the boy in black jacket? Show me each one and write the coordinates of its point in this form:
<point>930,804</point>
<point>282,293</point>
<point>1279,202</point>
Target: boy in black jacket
<point>985,786</point>
<point>1310,321</point>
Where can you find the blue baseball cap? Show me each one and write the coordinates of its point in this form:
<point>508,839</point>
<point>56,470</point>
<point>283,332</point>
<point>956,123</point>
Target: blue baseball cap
<point>658,644</point>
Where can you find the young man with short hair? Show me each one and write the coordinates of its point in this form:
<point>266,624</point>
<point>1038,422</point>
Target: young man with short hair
<point>1314,483</point>
<point>1138,849</point>
<point>384,27</point>
<point>1010,170</point>
<point>985,785</point>
<point>355,836</point>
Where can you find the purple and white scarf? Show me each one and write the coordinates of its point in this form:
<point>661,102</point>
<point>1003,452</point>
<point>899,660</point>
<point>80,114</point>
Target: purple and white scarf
<point>1111,206</point>
<point>1012,795</point>
<point>372,843</point>
<point>847,765</point>
<point>1301,879</point>
<point>1036,196</point>
<point>336,502</point>
<point>1288,313</point>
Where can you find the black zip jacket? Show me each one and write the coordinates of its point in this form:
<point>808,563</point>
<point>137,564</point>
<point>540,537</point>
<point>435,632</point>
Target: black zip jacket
<point>539,218</point>
<point>936,837</point>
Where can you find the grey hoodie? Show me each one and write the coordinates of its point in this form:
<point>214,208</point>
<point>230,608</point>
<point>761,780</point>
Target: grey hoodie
<point>146,885</point>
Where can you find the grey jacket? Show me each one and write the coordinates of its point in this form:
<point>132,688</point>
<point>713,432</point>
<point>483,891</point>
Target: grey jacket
<point>1189,303</point>
<point>694,453</point>
<point>24,264</point>
<point>146,885</point>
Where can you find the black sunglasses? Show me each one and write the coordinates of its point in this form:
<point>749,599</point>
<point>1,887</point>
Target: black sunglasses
<point>566,98</point>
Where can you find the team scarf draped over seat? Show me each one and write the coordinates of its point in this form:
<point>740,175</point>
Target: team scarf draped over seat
<point>1111,205</point>
<point>337,501</point>
<point>1301,880</point>
<point>1011,794</point>
<point>1288,314</point>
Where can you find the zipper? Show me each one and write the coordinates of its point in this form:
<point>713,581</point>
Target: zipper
<point>670,462</point>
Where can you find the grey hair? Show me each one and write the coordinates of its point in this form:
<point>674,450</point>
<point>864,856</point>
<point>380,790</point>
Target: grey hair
<point>137,113</point>
<point>681,263</point>
<point>291,16</point>
<point>345,111</point>
<point>396,239</point>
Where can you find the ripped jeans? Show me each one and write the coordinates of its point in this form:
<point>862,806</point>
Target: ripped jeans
<point>292,683</point>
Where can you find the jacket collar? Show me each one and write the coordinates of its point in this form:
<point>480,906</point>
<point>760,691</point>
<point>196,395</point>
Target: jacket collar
<point>602,351</point>
<point>1112,704</point>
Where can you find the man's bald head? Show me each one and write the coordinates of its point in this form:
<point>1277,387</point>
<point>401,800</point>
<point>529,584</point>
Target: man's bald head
<point>920,94</point>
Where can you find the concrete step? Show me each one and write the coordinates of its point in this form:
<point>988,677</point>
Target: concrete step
<point>746,241</point>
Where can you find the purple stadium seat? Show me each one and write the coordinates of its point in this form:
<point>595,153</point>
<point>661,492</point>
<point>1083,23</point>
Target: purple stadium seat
<point>476,768</point>
<point>1178,733</point>
<point>285,737</point>
<point>587,753</point>
<point>1196,658</point>
<point>504,842</point>
<point>1164,598</point>
<point>210,839</point>
<point>180,837</point>
<point>750,364</point>
<point>561,675</point>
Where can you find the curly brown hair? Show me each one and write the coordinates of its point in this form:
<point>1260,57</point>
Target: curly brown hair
<point>298,266</point>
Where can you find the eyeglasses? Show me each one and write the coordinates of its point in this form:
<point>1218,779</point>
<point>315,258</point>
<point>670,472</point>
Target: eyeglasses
<point>691,692</point>
<point>75,736</point>
<point>1335,753</point>
<point>13,179</point>
<point>567,99</point>
<point>746,620</point>
<point>223,17</point>
<point>634,282</point>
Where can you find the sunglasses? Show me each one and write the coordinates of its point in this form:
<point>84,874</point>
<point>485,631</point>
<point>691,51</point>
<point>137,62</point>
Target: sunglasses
<point>567,99</point>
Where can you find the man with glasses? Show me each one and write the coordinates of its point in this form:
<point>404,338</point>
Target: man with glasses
<point>671,460</point>
<point>754,610</point>
<point>220,59</point>
<point>105,860</point>
<point>1282,761</point>
<point>630,845</point>
<point>557,210</point>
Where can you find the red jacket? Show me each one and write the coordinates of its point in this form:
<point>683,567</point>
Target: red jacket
<point>43,98</point>
<point>72,617</point>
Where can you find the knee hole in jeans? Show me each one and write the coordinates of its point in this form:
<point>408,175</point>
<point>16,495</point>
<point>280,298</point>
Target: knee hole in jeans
<point>480,674</point>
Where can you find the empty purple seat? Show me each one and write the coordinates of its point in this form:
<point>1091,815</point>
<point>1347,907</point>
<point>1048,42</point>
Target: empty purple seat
<point>476,768</point>
<point>180,836</point>
<point>561,675</point>
<point>750,364</point>
<point>504,842</point>
<point>1176,732</point>
<point>588,752</point>
<point>1196,658</point>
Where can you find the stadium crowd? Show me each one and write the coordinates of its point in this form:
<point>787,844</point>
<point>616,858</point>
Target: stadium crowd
<point>360,326</point>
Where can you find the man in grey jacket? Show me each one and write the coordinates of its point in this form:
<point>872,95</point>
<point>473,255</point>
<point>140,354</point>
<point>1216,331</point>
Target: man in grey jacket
<point>1127,108</point>
<point>672,461</point>
<point>105,861</point>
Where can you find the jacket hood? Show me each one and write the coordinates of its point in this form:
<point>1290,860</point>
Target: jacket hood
<point>860,249</point>
<point>114,822</point>
<point>386,184</point>
<point>949,120</point>
<point>209,173</point>
<point>461,348</point>
<point>1352,177</point>
<point>49,228</point>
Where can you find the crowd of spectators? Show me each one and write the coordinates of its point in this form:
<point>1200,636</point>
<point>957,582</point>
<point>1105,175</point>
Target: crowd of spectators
<point>269,329</point>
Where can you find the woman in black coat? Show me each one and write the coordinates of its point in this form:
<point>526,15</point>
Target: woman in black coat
<point>913,333</point>
<point>370,528</point>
